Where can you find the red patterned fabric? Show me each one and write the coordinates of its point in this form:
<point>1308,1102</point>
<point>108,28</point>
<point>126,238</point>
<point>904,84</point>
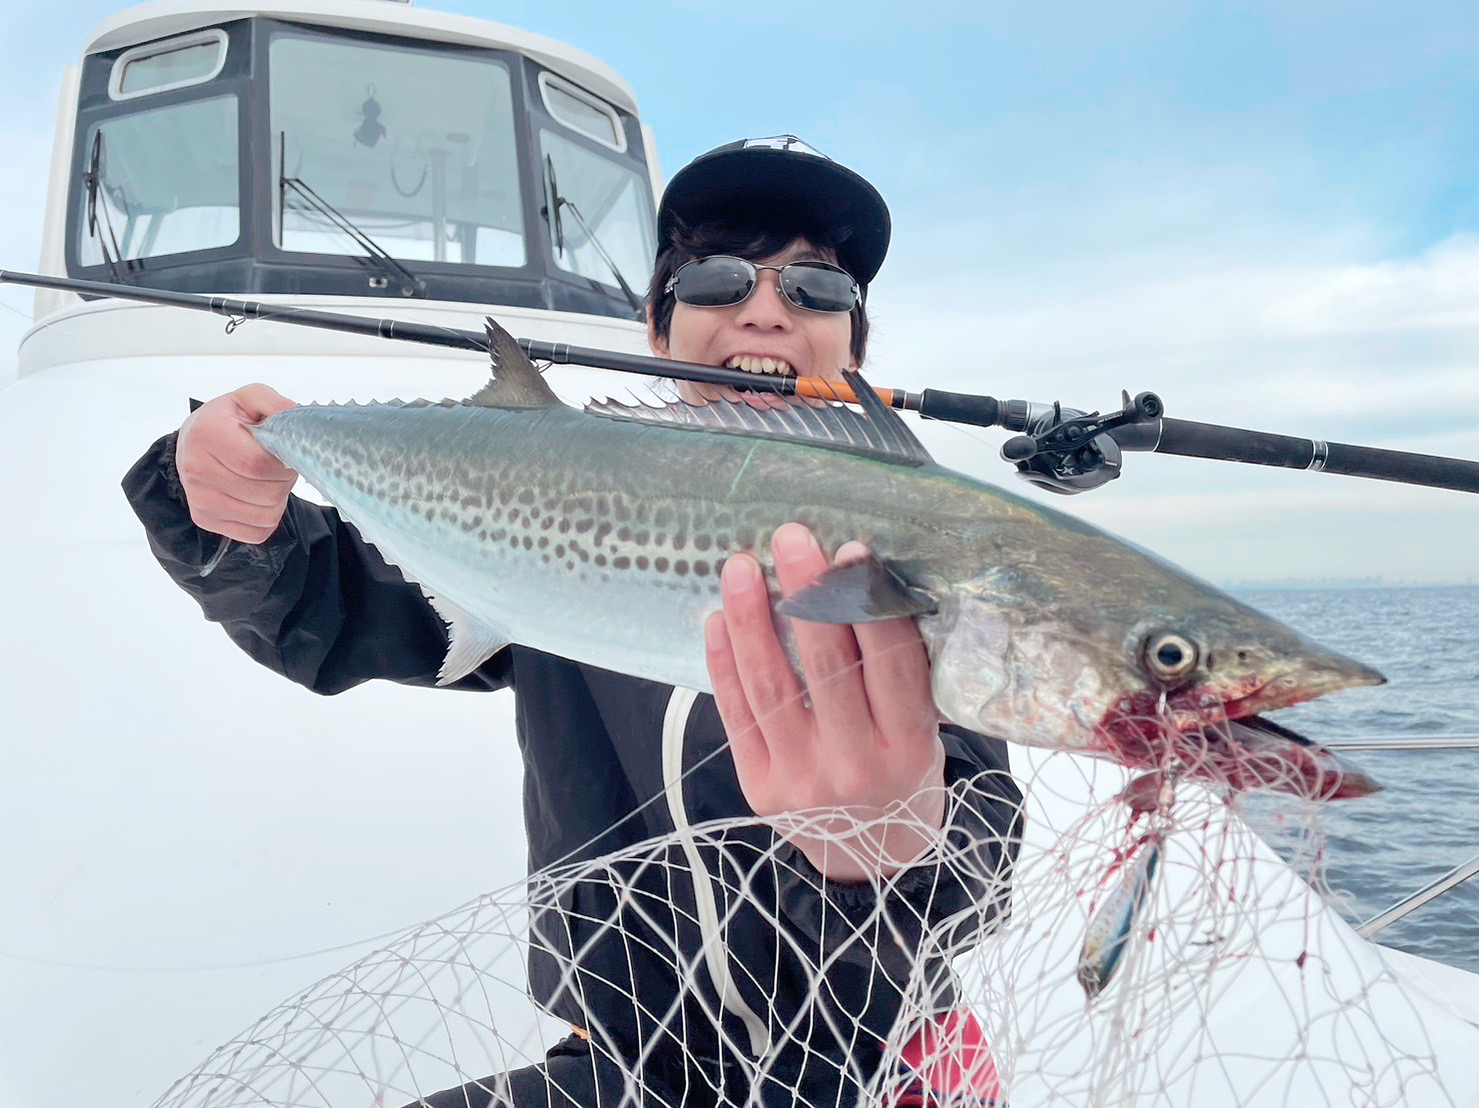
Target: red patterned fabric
<point>947,1064</point>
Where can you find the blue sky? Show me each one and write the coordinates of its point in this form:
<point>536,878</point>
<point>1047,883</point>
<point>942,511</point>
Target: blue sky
<point>1263,211</point>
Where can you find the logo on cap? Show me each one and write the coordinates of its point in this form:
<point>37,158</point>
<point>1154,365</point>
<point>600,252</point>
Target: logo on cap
<point>785,142</point>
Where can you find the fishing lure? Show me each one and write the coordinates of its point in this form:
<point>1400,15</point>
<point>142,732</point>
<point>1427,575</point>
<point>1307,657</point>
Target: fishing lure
<point>1114,921</point>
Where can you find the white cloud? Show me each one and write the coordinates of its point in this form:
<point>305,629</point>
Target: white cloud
<point>1257,338</point>
<point>1434,293</point>
<point>1382,354</point>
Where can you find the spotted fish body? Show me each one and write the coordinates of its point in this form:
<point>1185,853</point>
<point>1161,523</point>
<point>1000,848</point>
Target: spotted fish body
<point>598,535</point>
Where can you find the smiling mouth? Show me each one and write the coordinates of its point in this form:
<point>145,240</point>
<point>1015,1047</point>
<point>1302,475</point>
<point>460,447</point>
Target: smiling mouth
<point>755,363</point>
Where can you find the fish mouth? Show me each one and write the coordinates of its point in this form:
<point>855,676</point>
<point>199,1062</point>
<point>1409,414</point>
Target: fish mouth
<point>1215,732</point>
<point>1253,695</point>
<point>1270,755</point>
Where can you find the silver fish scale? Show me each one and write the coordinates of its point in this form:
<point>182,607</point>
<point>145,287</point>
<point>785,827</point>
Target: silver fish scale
<point>561,530</point>
<point>602,540</point>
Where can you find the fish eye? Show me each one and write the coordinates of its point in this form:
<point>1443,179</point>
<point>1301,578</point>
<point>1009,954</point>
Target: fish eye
<point>1168,657</point>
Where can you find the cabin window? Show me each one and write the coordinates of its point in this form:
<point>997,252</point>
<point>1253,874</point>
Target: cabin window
<point>582,112</point>
<point>161,181</point>
<point>599,214</point>
<point>414,148</point>
<point>176,63</point>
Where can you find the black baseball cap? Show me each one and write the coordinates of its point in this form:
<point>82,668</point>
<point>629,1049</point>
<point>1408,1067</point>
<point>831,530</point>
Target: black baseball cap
<point>780,171</point>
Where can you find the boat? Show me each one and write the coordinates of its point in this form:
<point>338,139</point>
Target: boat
<point>207,839</point>
<point>201,848</point>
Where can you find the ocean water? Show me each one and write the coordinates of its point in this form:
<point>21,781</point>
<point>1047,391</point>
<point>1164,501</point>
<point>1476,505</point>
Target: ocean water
<point>1426,820</point>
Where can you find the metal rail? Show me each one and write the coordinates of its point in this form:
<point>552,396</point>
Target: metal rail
<point>1456,876</point>
<point>1404,742</point>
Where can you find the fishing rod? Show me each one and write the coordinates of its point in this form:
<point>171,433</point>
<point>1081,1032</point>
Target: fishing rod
<point>1057,448</point>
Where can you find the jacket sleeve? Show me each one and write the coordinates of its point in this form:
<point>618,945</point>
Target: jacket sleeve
<point>315,603</point>
<point>947,900</point>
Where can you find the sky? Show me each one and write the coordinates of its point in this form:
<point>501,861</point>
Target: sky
<point>1263,212</point>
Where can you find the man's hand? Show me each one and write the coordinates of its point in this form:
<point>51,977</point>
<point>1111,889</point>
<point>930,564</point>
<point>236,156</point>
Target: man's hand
<point>867,740</point>
<point>233,486</point>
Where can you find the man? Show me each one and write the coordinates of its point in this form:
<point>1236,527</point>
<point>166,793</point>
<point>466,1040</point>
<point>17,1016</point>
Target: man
<point>772,959</point>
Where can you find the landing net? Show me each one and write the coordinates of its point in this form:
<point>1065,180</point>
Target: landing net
<point>1237,984</point>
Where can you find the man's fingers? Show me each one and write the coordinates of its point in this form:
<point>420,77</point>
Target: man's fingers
<point>829,654</point>
<point>769,683</point>
<point>234,486</point>
<point>237,472</point>
<point>895,668</point>
<point>746,742</point>
<point>257,402</point>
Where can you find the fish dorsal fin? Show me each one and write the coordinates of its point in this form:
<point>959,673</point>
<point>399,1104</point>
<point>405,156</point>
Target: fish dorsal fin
<point>903,441</point>
<point>875,431</point>
<point>516,383</point>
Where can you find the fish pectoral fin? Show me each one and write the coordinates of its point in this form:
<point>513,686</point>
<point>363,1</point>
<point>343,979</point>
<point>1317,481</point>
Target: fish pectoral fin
<point>471,643</point>
<point>864,591</point>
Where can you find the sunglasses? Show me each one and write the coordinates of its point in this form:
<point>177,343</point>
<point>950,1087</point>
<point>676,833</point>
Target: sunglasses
<point>720,281</point>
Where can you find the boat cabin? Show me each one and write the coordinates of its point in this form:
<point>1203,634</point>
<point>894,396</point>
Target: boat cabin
<point>356,148</point>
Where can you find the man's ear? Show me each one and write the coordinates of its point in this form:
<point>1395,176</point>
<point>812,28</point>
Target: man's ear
<point>657,344</point>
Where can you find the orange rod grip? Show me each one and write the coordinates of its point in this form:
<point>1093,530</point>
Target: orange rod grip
<point>822,389</point>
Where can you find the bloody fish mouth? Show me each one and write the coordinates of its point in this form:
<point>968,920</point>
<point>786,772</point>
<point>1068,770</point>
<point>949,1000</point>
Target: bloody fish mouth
<point>1216,735</point>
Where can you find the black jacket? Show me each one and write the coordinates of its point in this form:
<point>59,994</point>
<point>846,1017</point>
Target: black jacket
<point>318,605</point>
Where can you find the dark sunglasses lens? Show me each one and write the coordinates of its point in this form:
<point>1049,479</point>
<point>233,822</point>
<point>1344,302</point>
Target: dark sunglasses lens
<point>819,288</point>
<point>714,282</point>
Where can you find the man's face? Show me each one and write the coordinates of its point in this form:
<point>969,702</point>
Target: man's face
<point>766,333</point>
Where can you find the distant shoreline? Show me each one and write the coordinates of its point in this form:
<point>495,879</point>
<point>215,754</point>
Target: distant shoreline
<point>1290,583</point>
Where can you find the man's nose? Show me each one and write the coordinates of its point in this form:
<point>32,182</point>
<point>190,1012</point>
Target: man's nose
<point>766,307</point>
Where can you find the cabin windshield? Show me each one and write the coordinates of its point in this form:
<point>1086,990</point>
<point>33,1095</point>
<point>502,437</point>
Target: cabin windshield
<point>605,221</point>
<point>161,181</point>
<point>413,147</point>
<point>274,157</point>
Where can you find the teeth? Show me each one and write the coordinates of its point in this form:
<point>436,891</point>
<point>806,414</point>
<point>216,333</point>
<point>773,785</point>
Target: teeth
<point>752,363</point>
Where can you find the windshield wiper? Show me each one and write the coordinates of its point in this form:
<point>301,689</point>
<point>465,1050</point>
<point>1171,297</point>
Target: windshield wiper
<point>92,180</point>
<point>556,202</point>
<point>374,253</point>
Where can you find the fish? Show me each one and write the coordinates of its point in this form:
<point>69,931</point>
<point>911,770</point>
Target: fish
<point>1113,922</point>
<point>599,534</point>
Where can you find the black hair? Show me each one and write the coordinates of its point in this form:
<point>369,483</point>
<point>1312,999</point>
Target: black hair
<point>748,235</point>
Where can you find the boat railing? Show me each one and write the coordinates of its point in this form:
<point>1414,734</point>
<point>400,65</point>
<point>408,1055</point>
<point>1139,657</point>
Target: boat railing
<point>1454,877</point>
<point>1405,742</point>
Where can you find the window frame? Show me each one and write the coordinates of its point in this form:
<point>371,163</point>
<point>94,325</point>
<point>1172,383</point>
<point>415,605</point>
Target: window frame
<point>511,61</point>
<point>548,80</point>
<point>255,264</point>
<point>167,46</point>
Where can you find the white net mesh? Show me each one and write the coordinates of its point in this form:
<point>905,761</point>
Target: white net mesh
<point>1237,983</point>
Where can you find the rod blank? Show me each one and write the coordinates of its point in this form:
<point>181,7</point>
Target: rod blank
<point>1206,440</point>
<point>1166,436</point>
